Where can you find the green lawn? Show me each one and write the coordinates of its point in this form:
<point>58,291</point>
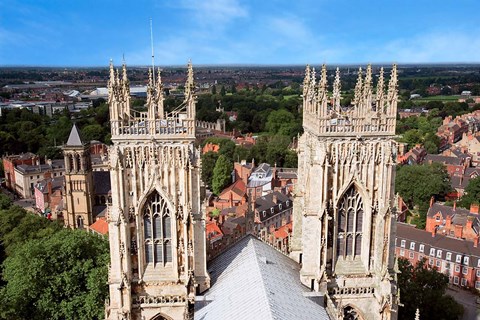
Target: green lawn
<point>290,96</point>
<point>439,98</point>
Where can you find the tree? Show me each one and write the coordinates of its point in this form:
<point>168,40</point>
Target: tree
<point>221,174</point>
<point>214,90</point>
<point>208,164</point>
<point>424,288</point>
<point>93,132</point>
<point>223,92</point>
<point>63,276</point>
<point>418,183</point>
<point>471,194</point>
<point>5,202</point>
<point>282,122</point>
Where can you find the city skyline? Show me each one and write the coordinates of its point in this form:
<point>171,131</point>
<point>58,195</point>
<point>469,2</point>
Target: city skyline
<point>223,32</point>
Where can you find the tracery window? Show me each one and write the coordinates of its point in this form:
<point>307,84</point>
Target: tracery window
<point>350,223</point>
<point>157,230</point>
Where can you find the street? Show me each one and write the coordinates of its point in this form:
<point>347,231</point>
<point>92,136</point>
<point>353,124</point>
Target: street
<point>468,300</point>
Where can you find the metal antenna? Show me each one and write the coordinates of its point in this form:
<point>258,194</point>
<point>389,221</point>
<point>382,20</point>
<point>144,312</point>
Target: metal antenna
<point>153,56</point>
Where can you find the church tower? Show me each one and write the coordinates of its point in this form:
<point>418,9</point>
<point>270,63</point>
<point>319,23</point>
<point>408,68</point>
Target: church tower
<point>78,181</point>
<point>344,211</point>
<point>156,225</point>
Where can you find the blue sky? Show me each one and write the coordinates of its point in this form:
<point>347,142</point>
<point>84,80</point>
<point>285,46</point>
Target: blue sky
<point>90,33</point>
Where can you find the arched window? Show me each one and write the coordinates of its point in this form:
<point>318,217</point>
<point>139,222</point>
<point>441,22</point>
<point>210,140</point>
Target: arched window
<point>350,223</point>
<point>157,230</point>
<point>79,222</point>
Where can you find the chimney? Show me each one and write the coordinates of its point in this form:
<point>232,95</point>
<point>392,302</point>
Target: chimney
<point>474,208</point>
<point>253,163</point>
<point>231,199</point>
<point>454,205</point>
<point>49,187</point>
<point>275,198</point>
<point>47,175</point>
<point>434,231</point>
<point>448,223</point>
<point>432,201</point>
<point>475,241</point>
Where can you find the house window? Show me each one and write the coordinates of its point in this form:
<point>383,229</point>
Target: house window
<point>447,265</point>
<point>438,263</point>
<point>439,253</point>
<point>271,210</point>
<point>430,261</point>
<point>422,248</point>
<point>402,252</point>
<point>459,258</point>
<point>464,282</point>
<point>350,223</point>
<point>412,245</point>
<point>411,255</point>
<point>457,268</point>
<point>455,280</point>
<point>402,244</point>
<point>420,257</point>
<point>437,218</point>
<point>432,252</point>
<point>465,260</point>
<point>288,203</point>
<point>264,213</point>
<point>280,206</point>
<point>465,270</point>
<point>157,230</point>
<point>477,284</point>
<point>478,273</point>
<point>449,256</point>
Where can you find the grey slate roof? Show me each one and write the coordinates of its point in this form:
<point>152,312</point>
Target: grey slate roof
<point>252,280</point>
<point>74,138</point>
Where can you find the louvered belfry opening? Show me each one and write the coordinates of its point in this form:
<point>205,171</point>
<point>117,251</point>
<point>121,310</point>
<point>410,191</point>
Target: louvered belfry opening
<point>157,230</point>
<point>350,223</point>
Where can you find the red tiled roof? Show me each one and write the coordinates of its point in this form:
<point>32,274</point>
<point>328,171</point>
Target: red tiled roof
<point>212,231</point>
<point>237,187</point>
<point>100,226</point>
<point>283,231</point>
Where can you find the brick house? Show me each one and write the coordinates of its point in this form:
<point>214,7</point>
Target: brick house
<point>459,259</point>
<point>416,155</point>
<point>453,222</point>
<point>10,162</point>
<point>48,194</point>
<point>271,212</point>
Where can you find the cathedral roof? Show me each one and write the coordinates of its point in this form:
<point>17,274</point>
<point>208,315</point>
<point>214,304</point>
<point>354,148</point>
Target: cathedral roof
<point>74,138</point>
<point>252,280</point>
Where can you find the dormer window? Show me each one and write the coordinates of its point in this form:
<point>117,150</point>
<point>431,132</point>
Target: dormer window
<point>288,203</point>
<point>264,213</point>
<point>271,210</point>
<point>280,206</point>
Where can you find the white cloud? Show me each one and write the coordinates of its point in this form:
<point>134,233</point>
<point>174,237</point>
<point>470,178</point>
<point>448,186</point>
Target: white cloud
<point>449,46</point>
<point>216,13</point>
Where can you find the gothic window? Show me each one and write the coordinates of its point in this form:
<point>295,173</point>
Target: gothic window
<point>157,230</point>
<point>350,313</point>
<point>79,222</point>
<point>350,223</point>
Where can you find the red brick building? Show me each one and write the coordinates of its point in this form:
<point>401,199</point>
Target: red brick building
<point>10,162</point>
<point>459,259</point>
<point>453,222</point>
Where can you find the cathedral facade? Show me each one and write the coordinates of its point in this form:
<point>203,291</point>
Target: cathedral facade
<point>156,225</point>
<point>344,215</point>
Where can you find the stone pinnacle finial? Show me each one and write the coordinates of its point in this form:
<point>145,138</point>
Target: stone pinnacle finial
<point>336,92</point>
<point>358,90</point>
<point>380,94</point>
<point>392,94</point>
<point>417,314</point>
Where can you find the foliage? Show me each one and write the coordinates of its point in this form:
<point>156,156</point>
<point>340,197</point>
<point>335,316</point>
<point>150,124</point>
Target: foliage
<point>5,202</point>
<point>63,276</point>
<point>215,213</point>
<point>418,183</point>
<point>221,174</point>
<point>424,288</point>
<point>208,164</point>
<point>471,194</point>
<point>282,122</point>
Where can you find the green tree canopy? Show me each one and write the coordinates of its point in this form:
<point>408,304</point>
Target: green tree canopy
<point>208,164</point>
<point>471,194</point>
<point>221,174</point>
<point>63,276</point>
<point>282,122</point>
<point>418,183</point>
<point>424,288</point>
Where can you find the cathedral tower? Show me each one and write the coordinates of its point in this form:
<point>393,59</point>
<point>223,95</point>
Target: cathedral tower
<point>156,226</point>
<point>344,216</point>
<point>78,181</point>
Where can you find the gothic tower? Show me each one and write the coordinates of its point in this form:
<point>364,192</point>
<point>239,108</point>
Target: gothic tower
<point>78,181</point>
<point>156,226</point>
<point>344,216</point>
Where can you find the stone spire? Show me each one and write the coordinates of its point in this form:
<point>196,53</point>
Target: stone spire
<point>112,93</point>
<point>159,96</point>
<point>125,92</point>
<point>189,92</point>
<point>150,96</point>
<point>367,90</point>
<point>380,95</point>
<point>311,91</point>
<point>392,95</point>
<point>417,314</point>
<point>357,98</point>
<point>306,81</point>
<point>336,92</point>
<point>322,102</point>
<point>74,138</point>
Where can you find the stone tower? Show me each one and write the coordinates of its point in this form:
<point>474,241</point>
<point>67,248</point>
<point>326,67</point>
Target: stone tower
<point>344,215</point>
<point>78,181</point>
<point>156,226</point>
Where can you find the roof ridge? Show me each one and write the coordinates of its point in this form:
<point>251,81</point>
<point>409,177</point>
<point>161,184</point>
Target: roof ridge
<point>259,270</point>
